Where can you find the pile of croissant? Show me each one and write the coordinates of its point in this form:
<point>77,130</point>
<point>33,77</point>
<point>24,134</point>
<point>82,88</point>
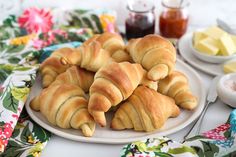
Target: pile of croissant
<point>137,79</point>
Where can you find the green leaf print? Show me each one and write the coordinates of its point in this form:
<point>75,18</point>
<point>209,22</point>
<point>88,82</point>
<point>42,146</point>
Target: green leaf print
<point>14,60</point>
<point>76,21</point>
<point>196,138</point>
<point>21,68</point>
<point>12,152</point>
<point>13,149</point>
<point>181,150</point>
<point>87,22</point>
<point>15,133</point>
<point>98,23</point>
<point>4,34</point>
<point>26,54</point>
<point>14,48</point>
<point>199,151</point>
<point>81,11</point>
<point>3,76</point>
<point>3,45</point>
<point>12,143</point>
<point>209,149</point>
<point>227,134</point>
<point>8,22</point>
<point>10,103</point>
<point>26,133</point>
<point>162,154</point>
<point>20,93</point>
<point>40,133</point>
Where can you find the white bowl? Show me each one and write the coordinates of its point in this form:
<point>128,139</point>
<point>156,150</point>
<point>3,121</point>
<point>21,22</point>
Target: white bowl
<point>209,58</point>
<point>226,89</point>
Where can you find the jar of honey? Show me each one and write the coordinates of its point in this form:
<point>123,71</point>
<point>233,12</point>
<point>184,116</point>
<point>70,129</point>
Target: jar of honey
<point>174,18</point>
<point>141,18</point>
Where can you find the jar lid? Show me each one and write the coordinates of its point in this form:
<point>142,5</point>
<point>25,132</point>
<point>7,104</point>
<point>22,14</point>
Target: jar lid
<point>140,6</point>
<point>175,4</point>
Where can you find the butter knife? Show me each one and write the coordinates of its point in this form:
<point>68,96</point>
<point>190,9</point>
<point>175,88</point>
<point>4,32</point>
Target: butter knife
<point>226,27</point>
<point>211,98</point>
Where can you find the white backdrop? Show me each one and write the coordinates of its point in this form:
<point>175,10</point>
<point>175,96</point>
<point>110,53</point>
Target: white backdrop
<point>202,12</point>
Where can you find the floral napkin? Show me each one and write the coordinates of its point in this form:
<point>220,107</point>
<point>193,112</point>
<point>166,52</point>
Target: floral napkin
<point>25,42</point>
<point>218,142</point>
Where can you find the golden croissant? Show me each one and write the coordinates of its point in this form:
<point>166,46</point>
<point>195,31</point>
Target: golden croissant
<point>112,84</point>
<point>145,110</point>
<point>65,106</point>
<point>88,56</point>
<point>110,42</point>
<point>176,86</point>
<point>156,54</point>
<point>77,76</point>
<point>121,56</point>
<point>52,66</point>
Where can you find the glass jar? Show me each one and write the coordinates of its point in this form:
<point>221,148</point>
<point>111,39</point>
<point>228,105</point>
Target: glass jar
<point>141,18</point>
<point>174,18</point>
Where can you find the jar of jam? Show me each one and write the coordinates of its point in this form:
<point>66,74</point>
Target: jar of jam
<point>141,18</point>
<point>174,18</point>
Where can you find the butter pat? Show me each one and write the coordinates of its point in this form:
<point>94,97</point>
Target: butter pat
<point>227,46</point>
<point>230,67</point>
<point>214,32</point>
<point>233,37</point>
<point>208,46</point>
<point>197,36</point>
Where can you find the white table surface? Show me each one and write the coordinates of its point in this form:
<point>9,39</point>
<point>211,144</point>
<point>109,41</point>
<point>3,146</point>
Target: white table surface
<point>203,13</point>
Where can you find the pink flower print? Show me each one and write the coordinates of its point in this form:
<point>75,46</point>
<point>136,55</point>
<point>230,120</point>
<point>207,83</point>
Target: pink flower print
<point>15,116</point>
<point>38,44</point>
<point>36,20</point>
<point>7,130</point>
<point>216,133</point>
<point>222,128</point>
<point>19,109</point>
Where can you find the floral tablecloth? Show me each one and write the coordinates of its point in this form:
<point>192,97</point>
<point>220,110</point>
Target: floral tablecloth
<point>25,42</point>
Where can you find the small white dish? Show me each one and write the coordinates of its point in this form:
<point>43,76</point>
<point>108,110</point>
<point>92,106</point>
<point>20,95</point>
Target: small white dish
<point>226,89</point>
<point>209,58</point>
<point>187,54</point>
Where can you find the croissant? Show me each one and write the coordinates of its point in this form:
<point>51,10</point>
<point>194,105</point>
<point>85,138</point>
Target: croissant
<point>112,84</point>
<point>65,106</point>
<point>77,76</point>
<point>156,54</point>
<point>111,42</point>
<point>88,56</point>
<point>145,110</point>
<point>121,56</point>
<point>176,86</point>
<point>52,66</point>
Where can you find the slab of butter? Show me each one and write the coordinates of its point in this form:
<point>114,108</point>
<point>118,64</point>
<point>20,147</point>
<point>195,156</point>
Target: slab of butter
<point>208,46</point>
<point>227,46</point>
<point>214,32</point>
<point>234,38</point>
<point>197,36</point>
<point>230,67</point>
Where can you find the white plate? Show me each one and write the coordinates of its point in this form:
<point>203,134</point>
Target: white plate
<point>187,54</point>
<point>106,135</point>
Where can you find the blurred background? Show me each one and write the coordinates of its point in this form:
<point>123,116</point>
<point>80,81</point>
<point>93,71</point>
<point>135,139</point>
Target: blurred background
<point>202,12</point>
